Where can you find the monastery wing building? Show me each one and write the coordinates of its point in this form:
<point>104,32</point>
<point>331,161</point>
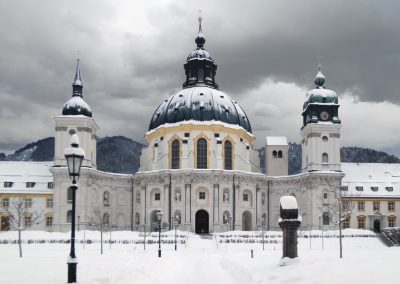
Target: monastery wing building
<point>200,167</point>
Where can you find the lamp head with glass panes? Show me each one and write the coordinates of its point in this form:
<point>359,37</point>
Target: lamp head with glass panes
<point>74,156</point>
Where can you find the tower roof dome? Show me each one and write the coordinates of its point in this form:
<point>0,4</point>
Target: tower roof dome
<point>76,105</point>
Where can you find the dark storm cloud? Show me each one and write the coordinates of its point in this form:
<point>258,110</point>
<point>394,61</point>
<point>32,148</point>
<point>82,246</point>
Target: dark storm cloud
<point>132,55</point>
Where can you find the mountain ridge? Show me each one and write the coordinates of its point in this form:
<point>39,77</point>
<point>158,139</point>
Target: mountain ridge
<point>119,154</point>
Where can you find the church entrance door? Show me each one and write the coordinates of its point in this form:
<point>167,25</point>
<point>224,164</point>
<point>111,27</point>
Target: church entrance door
<point>377,226</point>
<point>246,221</point>
<point>202,220</point>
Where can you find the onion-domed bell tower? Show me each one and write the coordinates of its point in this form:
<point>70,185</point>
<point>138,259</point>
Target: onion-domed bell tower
<point>76,118</point>
<point>320,134</point>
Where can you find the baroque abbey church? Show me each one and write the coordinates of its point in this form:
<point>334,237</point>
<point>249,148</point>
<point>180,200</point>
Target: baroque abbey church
<point>200,166</point>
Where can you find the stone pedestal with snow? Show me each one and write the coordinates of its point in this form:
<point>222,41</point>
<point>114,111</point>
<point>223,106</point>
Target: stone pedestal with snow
<point>289,222</point>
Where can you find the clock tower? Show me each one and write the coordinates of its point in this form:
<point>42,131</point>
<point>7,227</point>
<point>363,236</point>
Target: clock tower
<point>320,134</point>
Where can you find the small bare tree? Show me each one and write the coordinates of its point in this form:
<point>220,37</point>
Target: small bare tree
<point>340,208</point>
<point>100,221</point>
<point>20,216</point>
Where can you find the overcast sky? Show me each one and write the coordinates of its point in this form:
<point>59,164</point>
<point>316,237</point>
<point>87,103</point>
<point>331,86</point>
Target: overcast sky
<point>132,55</point>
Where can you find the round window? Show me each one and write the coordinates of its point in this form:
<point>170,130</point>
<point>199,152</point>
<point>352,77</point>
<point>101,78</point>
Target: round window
<point>71,131</point>
<point>325,138</point>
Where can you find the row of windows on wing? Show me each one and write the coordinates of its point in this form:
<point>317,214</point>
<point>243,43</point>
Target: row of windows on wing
<point>201,154</point>
<point>27,202</point>
<point>361,221</point>
<point>9,184</point>
<point>372,188</point>
<point>376,205</point>
<point>27,221</point>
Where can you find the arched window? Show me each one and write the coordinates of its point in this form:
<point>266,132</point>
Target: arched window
<point>202,153</point>
<point>326,219</point>
<point>274,154</point>
<point>280,154</point>
<point>175,151</point>
<point>325,158</point>
<point>69,216</point>
<point>228,155</point>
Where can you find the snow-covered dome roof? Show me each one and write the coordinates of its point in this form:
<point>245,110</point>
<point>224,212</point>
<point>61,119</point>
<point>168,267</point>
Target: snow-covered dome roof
<point>200,104</point>
<point>76,105</point>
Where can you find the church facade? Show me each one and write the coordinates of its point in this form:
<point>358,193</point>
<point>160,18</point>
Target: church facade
<point>200,167</point>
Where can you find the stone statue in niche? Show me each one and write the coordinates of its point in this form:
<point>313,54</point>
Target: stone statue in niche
<point>225,217</point>
<point>106,199</point>
<point>225,196</point>
<point>178,217</point>
<point>177,196</point>
<point>263,198</point>
<point>138,197</point>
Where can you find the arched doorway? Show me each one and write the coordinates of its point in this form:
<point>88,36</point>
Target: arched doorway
<point>153,220</point>
<point>202,222</point>
<point>377,226</point>
<point>246,221</point>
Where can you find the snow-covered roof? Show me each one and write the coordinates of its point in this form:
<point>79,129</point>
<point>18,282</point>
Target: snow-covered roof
<point>76,106</point>
<point>372,179</point>
<point>20,173</point>
<point>200,104</point>
<point>276,140</point>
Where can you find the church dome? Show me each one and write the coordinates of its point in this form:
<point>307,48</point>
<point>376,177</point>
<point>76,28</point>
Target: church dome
<point>200,99</point>
<point>200,104</point>
<point>76,105</point>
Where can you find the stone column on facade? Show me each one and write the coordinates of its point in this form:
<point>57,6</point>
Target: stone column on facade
<point>237,224</point>
<point>258,206</point>
<point>143,200</point>
<point>166,217</point>
<point>187,206</point>
<point>216,207</point>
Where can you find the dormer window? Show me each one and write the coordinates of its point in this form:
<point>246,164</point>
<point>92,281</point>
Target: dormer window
<point>344,188</point>
<point>8,184</point>
<point>389,188</point>
<point>374,188</point>
<point>30,184</point>
<point>359,188</point>
<point>50,185</point>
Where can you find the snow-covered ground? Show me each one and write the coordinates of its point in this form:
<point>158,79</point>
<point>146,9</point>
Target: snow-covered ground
<point>201,260</point>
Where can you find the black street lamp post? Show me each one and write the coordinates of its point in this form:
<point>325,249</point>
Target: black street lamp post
<point>74,156</point>
<point>159,218</point>
<point>175,225</point>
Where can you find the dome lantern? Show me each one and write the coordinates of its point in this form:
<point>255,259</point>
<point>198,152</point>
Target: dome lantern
<point>200,68</point>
